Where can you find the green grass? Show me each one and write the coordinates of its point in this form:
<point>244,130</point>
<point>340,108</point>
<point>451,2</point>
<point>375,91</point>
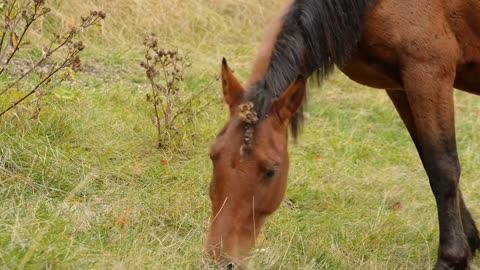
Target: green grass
<point>84,187</point>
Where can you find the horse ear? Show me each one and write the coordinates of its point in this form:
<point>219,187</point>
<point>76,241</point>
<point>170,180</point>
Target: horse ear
<point>232,90</point>
<point>289,102</point>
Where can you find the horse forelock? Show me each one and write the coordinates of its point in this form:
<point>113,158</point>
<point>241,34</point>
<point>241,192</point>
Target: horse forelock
<point>248,116</point>
<point>262,100</point>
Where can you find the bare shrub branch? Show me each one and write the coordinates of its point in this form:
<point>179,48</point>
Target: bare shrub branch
<point>61,54</point>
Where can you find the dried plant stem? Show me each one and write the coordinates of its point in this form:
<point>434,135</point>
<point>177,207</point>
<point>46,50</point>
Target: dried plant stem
<point>166,113</point>
<point>157,115</point>
<point>189,101</point>
<point>15,49</point>
<point>64,64</point>
<point>5,32</point>
<point>41,61</point>
<point>17,46</point>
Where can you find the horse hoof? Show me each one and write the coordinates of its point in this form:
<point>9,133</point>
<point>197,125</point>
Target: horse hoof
<point>444,265</point>
<point>231,266</point>
<point>474,243</point>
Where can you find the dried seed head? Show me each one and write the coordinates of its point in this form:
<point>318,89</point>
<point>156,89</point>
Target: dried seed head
<point>150,42</point>
<point>102,15</point>
<point>249,117</point>
<point>8,23</point>
<point>79,46</point>
<point>151,72</point>
<point>46,52</point>
<point>247,114</point>
<point>77,64</point>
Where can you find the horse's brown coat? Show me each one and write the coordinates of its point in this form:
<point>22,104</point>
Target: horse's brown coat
<point>417,50</point>
<point>400,32</point>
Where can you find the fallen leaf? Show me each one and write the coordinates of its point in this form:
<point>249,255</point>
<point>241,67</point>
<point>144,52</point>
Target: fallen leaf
<point>120,222</point>
<point>70,22</point>
<point>318,157</point>
<point>397,205</point>
<point>164,162</point>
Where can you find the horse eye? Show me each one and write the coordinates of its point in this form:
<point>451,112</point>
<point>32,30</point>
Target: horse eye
<point>270,173</point>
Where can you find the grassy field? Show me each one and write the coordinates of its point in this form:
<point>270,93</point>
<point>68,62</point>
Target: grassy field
<point>86,188</point>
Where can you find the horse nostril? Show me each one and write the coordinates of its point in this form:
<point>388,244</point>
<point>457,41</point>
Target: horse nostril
<point>231,266</point>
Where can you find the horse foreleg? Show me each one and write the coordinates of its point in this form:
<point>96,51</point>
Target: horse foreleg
<point>429,91</point>
<point>402,105</point>
<point>429,98</point>
<point>400,101</point>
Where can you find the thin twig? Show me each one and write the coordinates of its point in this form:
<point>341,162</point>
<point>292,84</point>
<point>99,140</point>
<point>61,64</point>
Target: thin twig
<point>5,30</point>
<point>155,105</point>
<point>64,64</point>
<point>23,76</point>
<point>157,116</point>
<point>192,98</point>
<point>50,52</point>
<point>17,21</point>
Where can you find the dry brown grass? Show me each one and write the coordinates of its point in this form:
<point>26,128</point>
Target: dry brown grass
<point>205,29</point>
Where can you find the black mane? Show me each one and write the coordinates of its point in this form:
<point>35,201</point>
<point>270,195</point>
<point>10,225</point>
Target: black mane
<point>315,35</point>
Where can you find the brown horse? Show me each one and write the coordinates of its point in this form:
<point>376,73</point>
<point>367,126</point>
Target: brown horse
<point>418,50</point>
